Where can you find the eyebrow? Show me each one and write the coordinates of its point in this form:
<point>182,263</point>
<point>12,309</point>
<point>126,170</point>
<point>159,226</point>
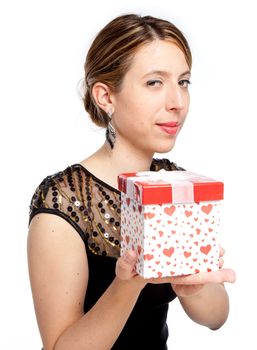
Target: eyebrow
<point>165,74</point>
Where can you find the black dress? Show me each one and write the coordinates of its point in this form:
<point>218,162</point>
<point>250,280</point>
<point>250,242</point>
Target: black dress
<point>92,207</point>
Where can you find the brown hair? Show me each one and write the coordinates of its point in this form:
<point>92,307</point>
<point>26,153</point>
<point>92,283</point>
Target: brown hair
<point>111,53</point>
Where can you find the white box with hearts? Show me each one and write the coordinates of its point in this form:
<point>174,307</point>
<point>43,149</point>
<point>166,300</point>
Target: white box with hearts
<point>172,219</point>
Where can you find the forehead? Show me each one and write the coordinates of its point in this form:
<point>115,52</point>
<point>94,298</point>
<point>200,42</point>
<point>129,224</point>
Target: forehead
<point>159,55</point>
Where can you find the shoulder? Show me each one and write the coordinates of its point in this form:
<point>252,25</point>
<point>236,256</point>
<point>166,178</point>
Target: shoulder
<point>61,194</point>
<point>39,196</point>
<point>164,163</point>
<point>57,259</point>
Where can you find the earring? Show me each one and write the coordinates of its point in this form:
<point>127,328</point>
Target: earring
<point>110,131</point>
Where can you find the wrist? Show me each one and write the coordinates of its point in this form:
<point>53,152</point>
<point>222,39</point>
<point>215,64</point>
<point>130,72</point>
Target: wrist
<point>131,286</point>
<point>189,292</point>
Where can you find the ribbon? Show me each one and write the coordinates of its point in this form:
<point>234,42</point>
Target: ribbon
<point>170,176</point>
<point>181,182</point>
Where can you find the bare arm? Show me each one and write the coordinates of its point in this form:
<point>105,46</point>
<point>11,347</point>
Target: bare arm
<point>59,275</point>
<point>209,307</point>
<point>206,304</point>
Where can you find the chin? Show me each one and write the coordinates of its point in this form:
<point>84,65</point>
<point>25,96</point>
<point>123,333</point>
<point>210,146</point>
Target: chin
<point>164,147</point>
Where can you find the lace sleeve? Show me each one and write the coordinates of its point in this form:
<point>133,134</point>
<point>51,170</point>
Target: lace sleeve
<point>53,196</point>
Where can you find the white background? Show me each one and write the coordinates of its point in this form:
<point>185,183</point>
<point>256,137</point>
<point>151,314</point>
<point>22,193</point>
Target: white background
<point>44,128</point>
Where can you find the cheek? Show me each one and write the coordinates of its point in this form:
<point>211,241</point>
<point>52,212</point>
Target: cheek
<point>134,113</point>
<point>138,126</point>
<point>187,101</point>
<point>137,110</point>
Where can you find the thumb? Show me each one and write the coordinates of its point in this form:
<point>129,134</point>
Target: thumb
<point>125,265</point>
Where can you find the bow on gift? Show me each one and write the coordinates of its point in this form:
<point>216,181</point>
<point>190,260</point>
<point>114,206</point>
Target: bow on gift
<point>180,182</point>
<point>173,176</point>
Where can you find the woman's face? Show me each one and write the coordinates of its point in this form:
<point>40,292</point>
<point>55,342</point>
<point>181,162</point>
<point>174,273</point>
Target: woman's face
<point>154,91</point>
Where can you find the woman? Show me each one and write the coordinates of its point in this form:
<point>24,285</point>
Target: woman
<point>86,296</point>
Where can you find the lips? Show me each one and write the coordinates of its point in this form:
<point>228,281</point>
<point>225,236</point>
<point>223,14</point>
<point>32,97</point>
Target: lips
<point>169,124</point>
<point>170,128</point>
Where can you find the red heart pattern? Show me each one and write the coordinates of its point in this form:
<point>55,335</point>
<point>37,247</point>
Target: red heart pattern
<point>168,252</point>
<point>205,249</point>
<point>169,210</point>
<point>139,248</point>
<point>206,208</point>
<point>187,254</point>
<point>188,242</point>
<point>149,215</point>
<point>148,256</point>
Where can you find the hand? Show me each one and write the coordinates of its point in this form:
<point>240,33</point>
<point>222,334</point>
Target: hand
<point>184,285</point>
<point>126,268</point>
<point>184,290</point>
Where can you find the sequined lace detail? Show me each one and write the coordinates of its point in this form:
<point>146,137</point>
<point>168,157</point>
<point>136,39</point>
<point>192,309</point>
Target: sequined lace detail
<point>89,204</point>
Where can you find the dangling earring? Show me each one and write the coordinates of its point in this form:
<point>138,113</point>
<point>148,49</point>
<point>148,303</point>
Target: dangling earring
<point>110,131</point>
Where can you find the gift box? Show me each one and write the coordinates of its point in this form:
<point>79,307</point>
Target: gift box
<point>172,219</point>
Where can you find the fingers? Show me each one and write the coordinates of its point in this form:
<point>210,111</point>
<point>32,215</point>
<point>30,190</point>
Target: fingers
<point>125,270</point>
<point>221,254</point>
<point>125,265</point>
<point>221,276</point>
<point>221,250</point>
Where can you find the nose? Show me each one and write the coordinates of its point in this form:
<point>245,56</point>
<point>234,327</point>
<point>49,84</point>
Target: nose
<point>176,99</point>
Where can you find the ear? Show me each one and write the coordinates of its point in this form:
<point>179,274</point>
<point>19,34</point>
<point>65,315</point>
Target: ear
<point>103,97</point>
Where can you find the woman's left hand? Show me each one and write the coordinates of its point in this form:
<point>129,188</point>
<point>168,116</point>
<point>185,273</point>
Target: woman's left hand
<point>184,290</point>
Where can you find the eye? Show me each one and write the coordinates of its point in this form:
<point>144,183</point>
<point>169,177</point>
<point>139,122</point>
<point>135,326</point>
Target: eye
<point>184,83</point>
<point>153,82</point>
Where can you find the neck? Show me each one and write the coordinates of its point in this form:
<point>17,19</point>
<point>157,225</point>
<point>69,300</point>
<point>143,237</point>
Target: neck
<point>124,159</point>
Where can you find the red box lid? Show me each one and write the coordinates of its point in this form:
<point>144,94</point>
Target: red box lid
<point>157,187</point>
